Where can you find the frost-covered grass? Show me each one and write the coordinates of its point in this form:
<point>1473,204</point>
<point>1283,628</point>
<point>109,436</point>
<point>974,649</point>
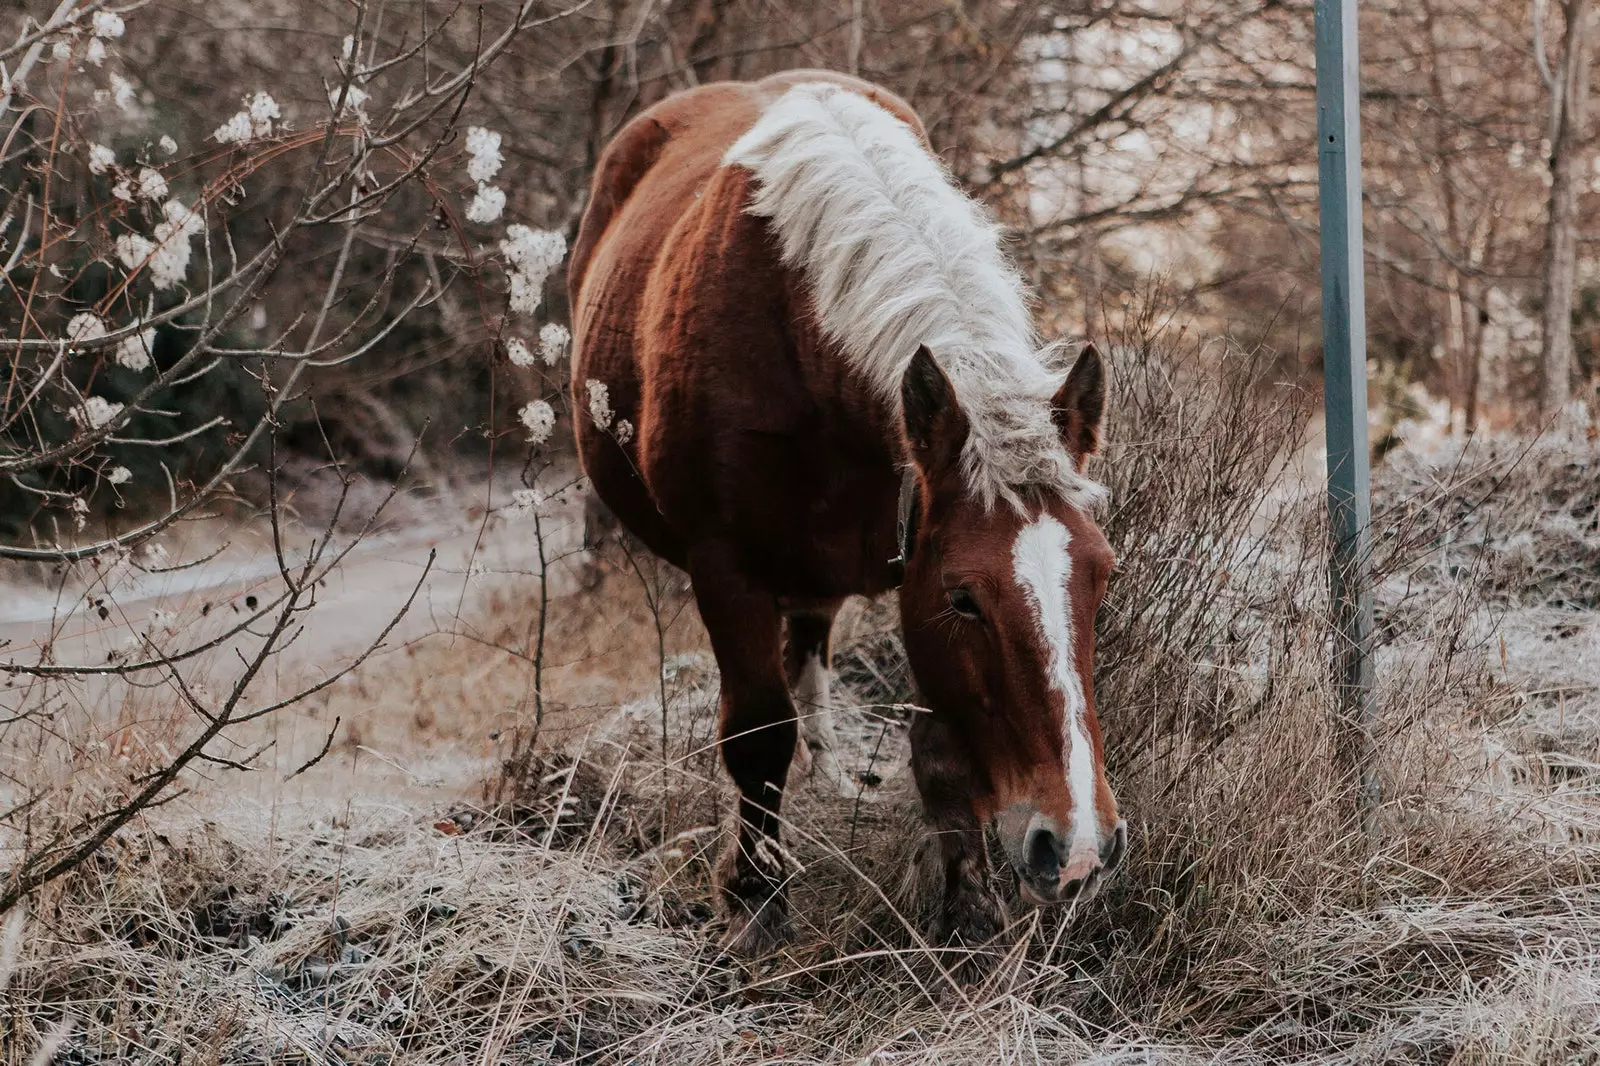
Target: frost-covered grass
<point>562,911</point>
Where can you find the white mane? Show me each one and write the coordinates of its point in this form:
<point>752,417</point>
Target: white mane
<point>897,256</point>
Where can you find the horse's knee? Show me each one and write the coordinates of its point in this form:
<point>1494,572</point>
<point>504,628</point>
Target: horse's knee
<point>758,736</point>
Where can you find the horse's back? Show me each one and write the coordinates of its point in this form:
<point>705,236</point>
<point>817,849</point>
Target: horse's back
<point>683,310</point>
<point>684,136</point>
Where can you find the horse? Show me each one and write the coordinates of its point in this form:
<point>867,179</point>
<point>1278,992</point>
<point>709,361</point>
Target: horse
<point>821,380</point>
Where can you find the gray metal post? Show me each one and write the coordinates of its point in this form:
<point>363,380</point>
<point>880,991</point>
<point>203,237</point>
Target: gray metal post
<point>1344,355</point>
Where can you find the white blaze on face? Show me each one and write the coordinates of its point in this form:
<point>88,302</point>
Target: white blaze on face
<point>1043,568</point>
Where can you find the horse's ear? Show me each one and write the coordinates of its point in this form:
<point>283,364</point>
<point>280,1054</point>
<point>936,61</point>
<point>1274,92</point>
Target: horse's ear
<point>935,425</point>
<point>1079,403</point>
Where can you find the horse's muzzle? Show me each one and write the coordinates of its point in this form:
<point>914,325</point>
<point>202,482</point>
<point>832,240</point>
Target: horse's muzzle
<point>1053,867</point>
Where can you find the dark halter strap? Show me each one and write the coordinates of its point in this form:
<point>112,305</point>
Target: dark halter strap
<point>905,523</point>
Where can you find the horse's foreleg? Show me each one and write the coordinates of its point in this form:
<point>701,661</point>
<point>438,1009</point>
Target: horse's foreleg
<point>808,662</point>
<point>964,910</point>
<point>757,738</point>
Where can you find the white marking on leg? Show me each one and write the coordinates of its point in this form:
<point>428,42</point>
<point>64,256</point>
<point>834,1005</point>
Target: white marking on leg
<point>1043,568</point>
<point>815,707</point>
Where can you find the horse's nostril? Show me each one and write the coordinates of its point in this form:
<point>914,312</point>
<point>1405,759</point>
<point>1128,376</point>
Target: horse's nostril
<point>1044,854</point>
<point>1112,851</point>
<point>1083,886</point>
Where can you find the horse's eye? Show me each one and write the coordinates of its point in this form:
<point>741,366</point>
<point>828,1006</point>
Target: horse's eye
<point>963,603</point>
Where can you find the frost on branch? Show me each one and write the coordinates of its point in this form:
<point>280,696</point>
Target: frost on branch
<point>532,255</point>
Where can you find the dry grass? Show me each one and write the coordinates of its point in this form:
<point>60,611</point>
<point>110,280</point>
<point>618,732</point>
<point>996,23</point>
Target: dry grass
<point>1252,922</point>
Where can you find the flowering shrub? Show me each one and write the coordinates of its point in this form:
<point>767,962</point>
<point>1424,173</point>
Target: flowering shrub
<point>178,290</point>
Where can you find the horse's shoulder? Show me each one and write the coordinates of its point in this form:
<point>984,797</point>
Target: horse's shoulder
<point>690,123</point>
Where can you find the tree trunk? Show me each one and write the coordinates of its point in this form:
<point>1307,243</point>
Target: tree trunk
<point>1569,101</point>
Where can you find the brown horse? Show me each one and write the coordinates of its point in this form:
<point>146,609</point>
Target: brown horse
<point>823,382</point>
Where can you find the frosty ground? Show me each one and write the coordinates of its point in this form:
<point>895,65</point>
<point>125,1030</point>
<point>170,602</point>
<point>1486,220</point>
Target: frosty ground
<point>444,887</point>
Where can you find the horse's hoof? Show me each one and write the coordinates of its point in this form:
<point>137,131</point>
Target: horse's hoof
<point>753,902</point>
<point>756,933</point>
<point>972,922</point>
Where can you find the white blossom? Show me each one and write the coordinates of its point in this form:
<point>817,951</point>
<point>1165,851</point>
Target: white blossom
<point>600,403</point>
<point>234,131</point>
<point>483,154</point>
<point>179,216</point>
<point>152,186</point>
<point>123,190</point>
<point>85,326</point>
<point>101,159</point>
<point>95,54</point>
<point>133,351</point>
<point>624,431</point>
<point>62,49</point>
<point>532,255</point>
<point>487,205</point>
<point>122,91</point>
<point>118,475</point>
<point>517,351</point>
<point>355,100</point>
<point>553,341</point>
<point>96,412</point>
<point>524,502</point>
<point>133,249</point>
<point>108,24</point>
<point>540,418</point>
<point>252,123</point>
<point>167,256</point>
<point>263,109</point>
<point>168,145</point>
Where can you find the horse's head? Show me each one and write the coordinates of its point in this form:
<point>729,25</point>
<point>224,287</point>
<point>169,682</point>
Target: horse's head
<point>998,607</point>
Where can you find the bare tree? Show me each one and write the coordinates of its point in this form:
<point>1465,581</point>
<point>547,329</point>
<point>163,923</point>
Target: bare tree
<point>1569,101</point>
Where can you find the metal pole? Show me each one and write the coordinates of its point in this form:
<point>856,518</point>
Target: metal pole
<point>1344,356</point>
